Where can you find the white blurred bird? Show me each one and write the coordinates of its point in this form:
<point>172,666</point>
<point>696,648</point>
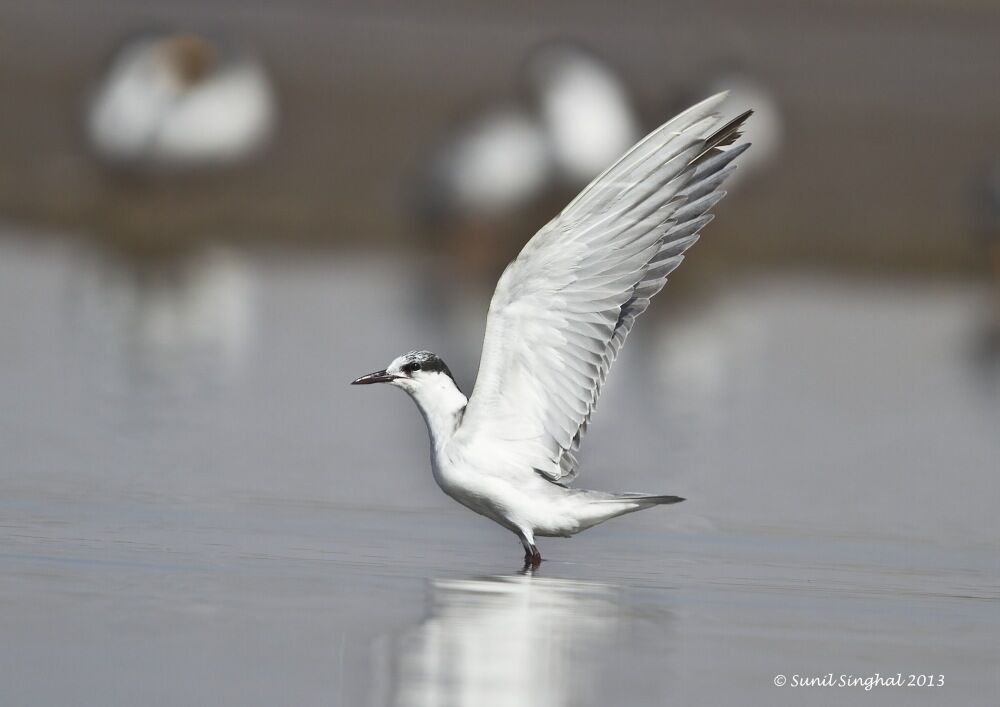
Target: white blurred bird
<point>584,108</point>
<point>578,119</point>
<point>559,316</point>
<point>489,167</point>
<point>179,101</point>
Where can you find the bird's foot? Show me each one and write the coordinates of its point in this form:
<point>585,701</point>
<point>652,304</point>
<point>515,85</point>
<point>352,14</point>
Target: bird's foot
<point>532,558</point>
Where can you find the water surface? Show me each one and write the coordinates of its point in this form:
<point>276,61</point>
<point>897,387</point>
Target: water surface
<point>197,508</point>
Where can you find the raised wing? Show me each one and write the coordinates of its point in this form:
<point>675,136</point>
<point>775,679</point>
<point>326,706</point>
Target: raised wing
<point>563,307</point>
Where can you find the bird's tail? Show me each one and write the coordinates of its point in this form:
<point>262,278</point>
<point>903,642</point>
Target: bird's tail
<point>602,506</point>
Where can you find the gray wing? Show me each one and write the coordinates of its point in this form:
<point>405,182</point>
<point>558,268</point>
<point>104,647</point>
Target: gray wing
<point>563,307</point>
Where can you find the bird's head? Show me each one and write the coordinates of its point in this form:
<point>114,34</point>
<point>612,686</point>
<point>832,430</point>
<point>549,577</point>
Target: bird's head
<point>429,382</point>
<point>413,372</point>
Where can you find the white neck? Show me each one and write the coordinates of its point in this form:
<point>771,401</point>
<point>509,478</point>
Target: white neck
<point>442,404</point>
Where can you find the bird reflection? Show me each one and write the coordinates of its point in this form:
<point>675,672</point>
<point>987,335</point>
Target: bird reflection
<point>706,347</point>
<point>178,313</point>
<point>510,640</point>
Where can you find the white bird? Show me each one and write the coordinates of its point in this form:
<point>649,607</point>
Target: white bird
<point>584,107</point>
<point>180,101</point>
<point>577,118</point>
<point>493,165</point>
<point>558,318</point>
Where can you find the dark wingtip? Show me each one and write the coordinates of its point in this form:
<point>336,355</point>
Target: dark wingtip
<point>724,136</point>
<point>728,133</point>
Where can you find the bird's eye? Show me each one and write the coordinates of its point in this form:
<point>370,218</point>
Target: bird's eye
<point>411,367</point>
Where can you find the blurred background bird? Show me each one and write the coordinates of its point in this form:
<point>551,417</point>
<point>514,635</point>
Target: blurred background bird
<point>180,101</point>
<point>480,187</point>
<point>169,120</point>
<point>585,109</point>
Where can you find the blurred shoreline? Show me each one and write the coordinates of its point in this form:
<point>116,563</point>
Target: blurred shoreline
<point>882,142</point>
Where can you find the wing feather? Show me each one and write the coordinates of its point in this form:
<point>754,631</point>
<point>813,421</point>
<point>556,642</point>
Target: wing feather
<point>564,307</point>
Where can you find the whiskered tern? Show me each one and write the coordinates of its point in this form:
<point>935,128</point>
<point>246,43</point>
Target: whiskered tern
<point>559,316</point>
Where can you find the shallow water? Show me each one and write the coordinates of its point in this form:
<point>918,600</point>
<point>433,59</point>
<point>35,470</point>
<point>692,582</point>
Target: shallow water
<point>197,509</point>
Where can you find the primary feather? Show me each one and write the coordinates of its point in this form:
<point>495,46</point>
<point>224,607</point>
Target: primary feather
<point>563,308</point>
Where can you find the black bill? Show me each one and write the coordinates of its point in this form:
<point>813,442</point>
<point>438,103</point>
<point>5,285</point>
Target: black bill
<point>376,377</point>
